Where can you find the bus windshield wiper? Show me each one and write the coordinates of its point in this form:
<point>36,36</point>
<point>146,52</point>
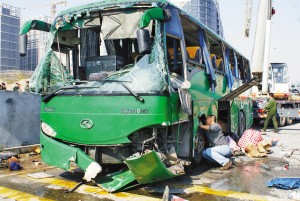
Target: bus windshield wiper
<point>135,95</point>
<point>50,96</point>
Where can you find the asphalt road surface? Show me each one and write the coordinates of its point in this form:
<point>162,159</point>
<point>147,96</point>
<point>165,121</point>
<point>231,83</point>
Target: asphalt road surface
<point>245,181</point>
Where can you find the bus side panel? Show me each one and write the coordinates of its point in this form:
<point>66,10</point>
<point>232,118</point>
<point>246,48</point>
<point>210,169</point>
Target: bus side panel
<point>248,108</point>
<point>234,113</point>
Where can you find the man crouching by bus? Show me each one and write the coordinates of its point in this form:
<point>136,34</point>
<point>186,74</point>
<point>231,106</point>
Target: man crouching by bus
<point>219,150</point>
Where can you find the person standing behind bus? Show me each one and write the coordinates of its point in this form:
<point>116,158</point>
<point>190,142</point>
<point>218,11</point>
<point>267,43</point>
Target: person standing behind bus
<point>271,108</point>
<point>3,86</point>
<point>219,150</point>
<point>26,88</point>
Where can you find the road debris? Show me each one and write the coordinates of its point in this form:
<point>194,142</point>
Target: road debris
<point>14,164</point>
<point>168,197</point>
<point>40,175</point>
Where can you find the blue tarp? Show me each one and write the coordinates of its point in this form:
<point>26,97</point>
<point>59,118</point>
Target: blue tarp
<point>285,183</point>
<point>206,57</point>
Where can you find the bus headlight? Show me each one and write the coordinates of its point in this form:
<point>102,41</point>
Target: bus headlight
<point>47,129</point>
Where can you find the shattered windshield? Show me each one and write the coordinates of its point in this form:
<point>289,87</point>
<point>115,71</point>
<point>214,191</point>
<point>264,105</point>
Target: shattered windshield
<point>99,50</point>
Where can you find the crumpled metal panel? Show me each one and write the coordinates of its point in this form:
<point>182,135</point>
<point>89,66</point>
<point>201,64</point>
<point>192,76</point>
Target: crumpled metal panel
<point>148,168</point>
<point>117,180</point>
<point>61,155</point>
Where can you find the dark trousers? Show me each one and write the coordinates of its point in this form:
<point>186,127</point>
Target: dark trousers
<point>268,120</point>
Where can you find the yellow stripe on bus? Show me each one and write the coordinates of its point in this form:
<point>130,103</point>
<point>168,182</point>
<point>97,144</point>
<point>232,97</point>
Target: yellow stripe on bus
<point>19,195</point>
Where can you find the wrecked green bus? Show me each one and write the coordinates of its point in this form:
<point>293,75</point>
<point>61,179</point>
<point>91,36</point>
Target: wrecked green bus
<point>126,81</point>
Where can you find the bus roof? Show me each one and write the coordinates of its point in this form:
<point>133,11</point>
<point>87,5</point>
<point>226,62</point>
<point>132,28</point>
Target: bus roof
<point>104,3</point>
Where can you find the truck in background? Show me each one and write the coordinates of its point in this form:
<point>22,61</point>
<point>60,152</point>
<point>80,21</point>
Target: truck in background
<point>278,84</point>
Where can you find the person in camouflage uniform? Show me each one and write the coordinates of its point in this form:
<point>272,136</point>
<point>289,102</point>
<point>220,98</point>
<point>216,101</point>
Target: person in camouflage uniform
<point>271,108</point>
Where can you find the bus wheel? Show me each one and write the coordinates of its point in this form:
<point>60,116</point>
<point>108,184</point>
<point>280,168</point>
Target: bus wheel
<point>282,121</point>
<point>242,124</point>
<point>199,147</point>
<point>289,121</point>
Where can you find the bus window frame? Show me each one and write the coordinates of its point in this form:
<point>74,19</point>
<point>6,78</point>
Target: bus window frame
<point>166,52</point>
<point>219,43</point>
<point>188,60</point>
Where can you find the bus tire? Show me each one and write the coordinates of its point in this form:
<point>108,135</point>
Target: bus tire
<point>199,147</point>
<point>289,121</point>
<point>241,124</point>
<point>282,121</point>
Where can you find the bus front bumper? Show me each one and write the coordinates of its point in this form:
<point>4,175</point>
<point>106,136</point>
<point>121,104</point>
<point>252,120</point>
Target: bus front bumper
<point>143,169</point>
<point>61,155</point>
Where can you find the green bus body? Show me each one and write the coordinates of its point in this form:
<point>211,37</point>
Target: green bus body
<point>90,127</point>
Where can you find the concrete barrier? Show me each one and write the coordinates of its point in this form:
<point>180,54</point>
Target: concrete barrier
<point>19,118</point>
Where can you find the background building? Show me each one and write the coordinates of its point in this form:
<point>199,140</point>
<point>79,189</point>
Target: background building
<point>35,46</point>
<point>206,11</point>
<point>9,37</point>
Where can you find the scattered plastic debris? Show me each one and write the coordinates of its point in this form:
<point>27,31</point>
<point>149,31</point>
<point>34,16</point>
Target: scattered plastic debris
<point>14,164</point>
<point>168,197</point>
<point>38,151</point>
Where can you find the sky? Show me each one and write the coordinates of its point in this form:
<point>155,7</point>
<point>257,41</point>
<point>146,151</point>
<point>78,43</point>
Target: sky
<point>285,46</point>
<point>285,31</point>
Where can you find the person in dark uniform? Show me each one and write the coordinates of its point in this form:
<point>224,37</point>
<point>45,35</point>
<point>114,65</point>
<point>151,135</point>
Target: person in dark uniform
<point>271,108</point>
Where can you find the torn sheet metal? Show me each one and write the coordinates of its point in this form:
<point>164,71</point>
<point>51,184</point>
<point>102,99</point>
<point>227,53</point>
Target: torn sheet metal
<point>61,155</point>
<point>148,168</point>
<point>117,180</point>
<point>143,169</point>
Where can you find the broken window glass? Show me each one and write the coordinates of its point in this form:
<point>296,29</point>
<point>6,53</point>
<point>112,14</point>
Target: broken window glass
<point>100,51</point>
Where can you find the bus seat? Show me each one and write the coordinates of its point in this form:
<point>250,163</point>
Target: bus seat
<point>192,51</point>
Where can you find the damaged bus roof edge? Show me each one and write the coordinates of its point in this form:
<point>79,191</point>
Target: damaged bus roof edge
<point>105,3</point>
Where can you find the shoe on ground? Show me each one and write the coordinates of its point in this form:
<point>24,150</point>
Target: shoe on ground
<point>262,130</point>
<point>276,131</point>
<point>226,166</point>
